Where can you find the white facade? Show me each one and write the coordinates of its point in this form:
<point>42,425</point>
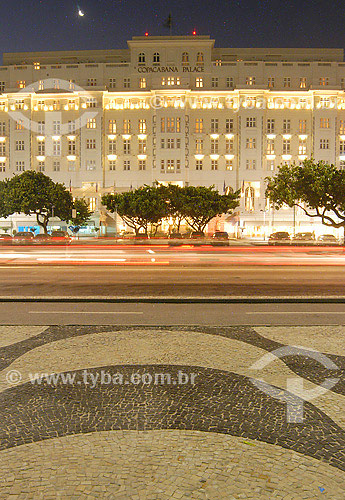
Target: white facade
<point>173,109</point>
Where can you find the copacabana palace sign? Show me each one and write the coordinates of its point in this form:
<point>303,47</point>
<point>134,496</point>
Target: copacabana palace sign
<point>169,69</point>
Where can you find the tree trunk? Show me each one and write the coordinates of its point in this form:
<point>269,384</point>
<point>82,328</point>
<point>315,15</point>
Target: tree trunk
<point>44,223</point>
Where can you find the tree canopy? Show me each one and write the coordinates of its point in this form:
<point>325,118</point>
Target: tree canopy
<point>316,187</point>
<point>82,213</point>
<point>33,193</point>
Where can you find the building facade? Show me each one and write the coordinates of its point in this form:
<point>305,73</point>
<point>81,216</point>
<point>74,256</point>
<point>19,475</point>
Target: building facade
<point>174,109</point>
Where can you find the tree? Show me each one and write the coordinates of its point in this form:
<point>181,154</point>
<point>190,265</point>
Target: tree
<point>201,204</point>
<point>316,187</point>
<point>138,208</point>
<point>82,215</point>
<point>175,199</point>
<point>34,193</point>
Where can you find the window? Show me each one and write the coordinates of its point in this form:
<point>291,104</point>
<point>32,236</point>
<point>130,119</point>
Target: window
<point>218,62</point>
<point>302,126</point>
<point>156,58</point>
<point>229,146</point>
<point>56,105</point>
<point>324,81</point>
<point>198,165</point>
<point>57,148</point>
<point>303,82</point>
<point>92,204</point>
<point>199,146</point>
<point>71,84</point>
<point>171,81</point>
<point>126,126</point>
<point>90,143</point>
<point>41,126</point>
<point>199,125</point>
<point>342,127</point>
<point>214,125</point>
<point>287,82</point>
<point>302,148</point>
<point>324,144</point>
<point>41,148</point>
<point>56,127</point>
<point>91,102</point>
<point>214,164</point>
<point>142,83</point>
<point>91,82</point>
<point>141,58</point>
<point>185,58</point>
<point>228,165</point>
<point>90,164</point>
<point>40,85</point>
<point>2,86</point>
<point>214,82</point>
<point>251,122</point>
<point>142,146</point>
<point>270,82</point>
<point>250,143</point>
<point>71,165</point>
<point>214,146</point>
<point>250,80</point>
<point>126,83</point>
<point>19,145</point>
<point>20,104</point>
<point>199,82</point>
<point>200,59</point>
<point>56,166</point>
<point>170,166</point>
<point>112,126</point>
<point>71,147</point>
<point>142,164</point>
<point>112,146</point>
<point>2,149</point>
<point>19,125</point>
<point>170,125</point>
<point>230,82</point>
<point>270,126</point>
<point>20,166</point>
<point>250,164</point>
<point>37,65</point>
<point>286,146</point>
<point>126,146</point>
<point>229,125</point>
<point>342,83</point>
<point>270,147</point>
<point>286,126</point>
<point>2,128</point>
<point>170,143</point>
<point>71,126</point>
<point>126,165</point>
<point>91,123</point>
<point>270,165</point>
<point>21,84</point>
<point>41,166</point>
<point>112,165</point>
<point>112,83</point>
<point>162,124</point>
<point>142,126</point>
<point>56,84</point>
<point>324,102</point>
<point>342,165</point>
<point>249,199</point>
<point>324,122</point>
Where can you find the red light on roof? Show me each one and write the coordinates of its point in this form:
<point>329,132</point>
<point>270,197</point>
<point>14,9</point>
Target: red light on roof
<point>194,32</point>
<point>146,34</point>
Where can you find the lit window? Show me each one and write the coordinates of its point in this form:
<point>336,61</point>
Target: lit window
<point>21,84</point>
<point>126,126</point>
<point>19,125</point>
<point>270,147</point>
<point>270,82</point>
<point>303,82</point>
<point>142,126</point>
<point>302,148</point>
<point>91,123</point>
<point>287,82</point>
<point>71,84</point>
<point>342,127</point>
<point>199,124</point>
<point>37,65</point>
<point>302,126</point>
<point>250,143</point>
<point>250,80</point>
<point>200,58</point>
<point>142,83</point>
<point>112,126</point>
<point>324,122</point>
<point>199,82</point>
<point>199,146</point>
<point>323,81</point>
<point>142,146</point>
<point>228,165</point>
<point>249,199</point>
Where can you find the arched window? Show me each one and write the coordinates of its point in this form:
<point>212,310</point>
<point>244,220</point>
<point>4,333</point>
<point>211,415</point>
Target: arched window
<point>200,58</point>
<point>141,58</point>
<point>249,199</point>
<point>156,57</point>
<point>185,58</point>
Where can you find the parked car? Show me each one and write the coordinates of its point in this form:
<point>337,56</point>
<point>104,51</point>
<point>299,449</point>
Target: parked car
<point>198,237</point>
<point>279,238</point>
<point>23,238</point>
<point>42,239</point>
<point>303,239</point>
<point>220,238</point>
<point>327,239</point>
<point>5,239</point>
<point>60,237</point>
<point>175,239</point>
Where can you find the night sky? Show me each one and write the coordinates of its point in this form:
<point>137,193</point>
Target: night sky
<point>30,25</point>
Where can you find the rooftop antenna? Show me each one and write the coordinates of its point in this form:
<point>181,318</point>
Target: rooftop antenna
<point>168,23</point>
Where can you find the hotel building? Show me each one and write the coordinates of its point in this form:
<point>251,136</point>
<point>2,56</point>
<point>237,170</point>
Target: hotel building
<point>173,109</point>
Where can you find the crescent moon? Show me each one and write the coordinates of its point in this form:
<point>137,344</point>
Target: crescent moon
<point>81,13</point>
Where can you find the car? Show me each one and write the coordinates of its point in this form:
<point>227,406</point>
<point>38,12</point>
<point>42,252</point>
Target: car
<point>60,238</point>
<point>303,239</point>
<point>220,238</point>
<point>198,237</point>
<point>42,239</point>
<point>327,239</point>
<point>279,238</point>
<point>23,238</point>
<point>5,239</point>
<point>175,239</point>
